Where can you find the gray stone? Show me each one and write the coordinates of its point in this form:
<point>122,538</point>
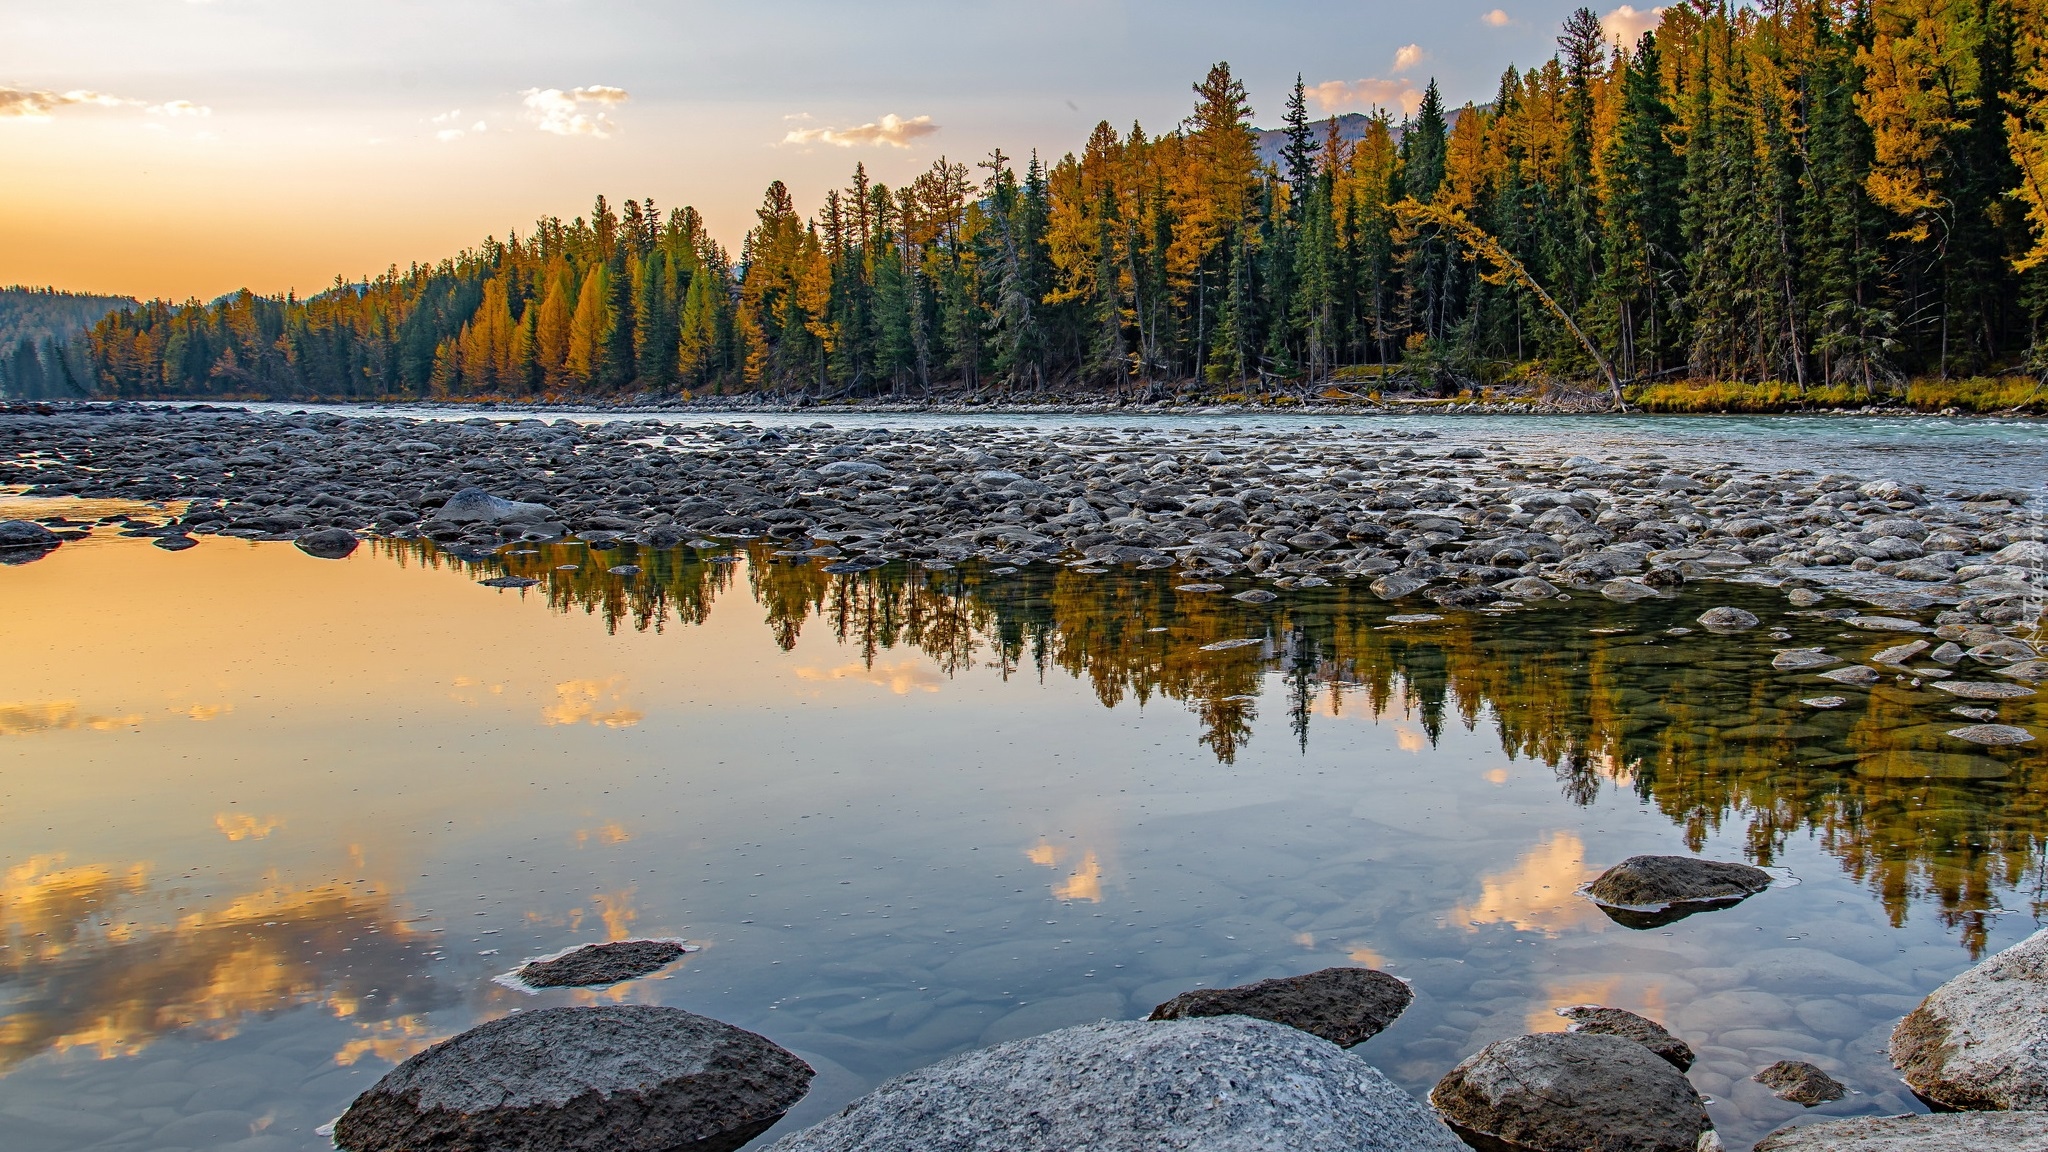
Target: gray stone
<point>327,543</point>
<point>1396,585</point>
<point>599,965</point>
<point>1221,1084</point>
<point>1980,1041</point>
<point>1651,891</point>
<point>629,1078</point>
<point>26,534</point>
<point>2031,671</point>
<point>476,506</point>
<point>1853,674</point>
<point>1951,1132</point>
<point>1884,624</point>
<point>1824,701</point>
<point>1800,1082</point>
<point>853,470</point>
<point>1627,590</point>
<point>1800,658</point>
<point>1629,1026</point>
<point>1570,1092</point>
<point>1994,735</point>
<point>1346,1006</point>
<point>1727,620</point>
<point>1982,689</point>
<point>1255,596</point>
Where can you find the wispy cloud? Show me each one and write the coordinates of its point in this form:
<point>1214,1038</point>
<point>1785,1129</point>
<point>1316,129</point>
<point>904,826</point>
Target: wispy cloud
<point>1628,24</point>
<point>576,112</point>
<point>892,130</point>
<point>1497,19</point>
<point>1368,93</point>
<point>41,104</point>
<point>448,126</point>
<point>1407,56</point>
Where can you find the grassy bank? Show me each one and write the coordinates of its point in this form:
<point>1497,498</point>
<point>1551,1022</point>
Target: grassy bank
<point>1979,394</point>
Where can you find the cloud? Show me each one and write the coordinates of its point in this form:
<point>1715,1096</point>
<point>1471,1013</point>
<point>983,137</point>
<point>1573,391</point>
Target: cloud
<point>449,127</point>
<point>40,104</point>
<point>1496,19</point>
<point>892,130</point>
<point>590,702</point>
<point>1627,25</point>
<point>1335,94</point>
<point>1407,56</point>
<point>564,114</point>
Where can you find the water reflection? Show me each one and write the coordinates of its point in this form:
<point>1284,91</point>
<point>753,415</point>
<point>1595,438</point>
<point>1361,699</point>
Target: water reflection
<point>1603,695</point>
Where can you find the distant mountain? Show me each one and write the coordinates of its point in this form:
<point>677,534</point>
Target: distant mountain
<point>1350,129</point>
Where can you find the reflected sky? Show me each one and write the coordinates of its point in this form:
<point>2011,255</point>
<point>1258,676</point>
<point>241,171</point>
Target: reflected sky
<point>284,818</point>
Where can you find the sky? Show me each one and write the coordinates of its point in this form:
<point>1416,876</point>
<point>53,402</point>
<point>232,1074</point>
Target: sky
<point>188,148</point>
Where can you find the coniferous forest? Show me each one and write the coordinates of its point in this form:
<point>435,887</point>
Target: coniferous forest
<point>1814,193</point>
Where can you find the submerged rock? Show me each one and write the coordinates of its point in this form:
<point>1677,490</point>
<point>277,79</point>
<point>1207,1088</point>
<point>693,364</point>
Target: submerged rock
<point>1345,1006</point>
<point>1800,1082</point>
<point>1983,689</point>
<point>1600,1021</point>
<point>1980,1041</point>
<point>509,582</point>
<point>1569,1092</point>
<point>327,543</point>
<point>1222,1084</point>
<point>624,1078</point>
<point>1951,1132</point>
<point>1995,735</point>
<point>598,965</point>
<point>1651,891</point>
<point>1795,659</point>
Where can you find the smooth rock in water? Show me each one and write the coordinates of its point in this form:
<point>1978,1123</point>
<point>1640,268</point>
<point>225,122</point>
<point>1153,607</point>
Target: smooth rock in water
<point>175,543</point>
<point>1627,590</point>
<point>1982,689</point>
<point>26,534</point>
<point>1980,1041</point>
<point>2024,553</point>
<point>509,582</point>
<point>1804,597</point>
<point>1726,620</point>
<point>1900,653</point>
<point>1526,588</point>
<point>1345,1006</point>
<point>1652,891</point>
<point>1853,674</point>
<point>1227,645</point>
<point>1413,618</point>
<point>1884,624</point>
<point>1993,735</point>
<point>2031,671</point>
<point>624,1078</point>
<point>474,505</point>
<point>1951,1132</point>
<point>327,543</point>
<point>1825,701</point>
<point>1799,658</point>
<point>1255,596</point>
<point>1221,1084</point>
<point>1629,1026</point>
<point>1198,588</point>
<point>1569,1092</point>
<point>1396,585</point>
<point>599,965</point>
<point>2002,652</point>
<point>1800,1082</point>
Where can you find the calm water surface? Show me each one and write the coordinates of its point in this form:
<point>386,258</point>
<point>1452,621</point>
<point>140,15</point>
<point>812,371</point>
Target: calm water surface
<point>269,824</point>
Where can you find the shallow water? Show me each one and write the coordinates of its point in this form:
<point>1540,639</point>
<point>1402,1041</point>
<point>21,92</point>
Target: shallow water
<point>269,824</point>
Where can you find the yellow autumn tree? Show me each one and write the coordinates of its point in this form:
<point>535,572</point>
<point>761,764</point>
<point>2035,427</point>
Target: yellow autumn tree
<point>1919,69</point>
<point>2026,126</point>
<point>591,326</point>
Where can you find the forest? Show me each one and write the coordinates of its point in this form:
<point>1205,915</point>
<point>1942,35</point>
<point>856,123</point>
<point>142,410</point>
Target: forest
<point>38,356</point>
<point>1813,194</point>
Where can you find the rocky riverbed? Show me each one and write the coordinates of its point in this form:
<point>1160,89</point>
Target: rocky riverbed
<point>1464,527</point>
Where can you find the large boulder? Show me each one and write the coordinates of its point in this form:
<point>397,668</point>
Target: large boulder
<point>26,534</point>
<point>1345,1006</point>
<point>1980,1041</point>
<point>1951,1132</point>
<point>623,1078</point>
<point>476,505</point>
<point>1571,1092</point>
<point>1800,1082</point>
<point>1651,891</point>
<point>1220,1084</point>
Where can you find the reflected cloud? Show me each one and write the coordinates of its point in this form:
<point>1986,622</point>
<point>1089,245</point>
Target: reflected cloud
<point>56,716</point>
<point>393,1040</point>
<point>239,826</point>
<point>1540,893</point>
<point>901,678</point>
<point>85,970</point>
<point>590,702</point>
<point>1084,883</point>
<point>1409,738</point>
<point>205,712</point>
<point>1367,955</point>
<point>1643,997</point>
<point>607,834</point>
